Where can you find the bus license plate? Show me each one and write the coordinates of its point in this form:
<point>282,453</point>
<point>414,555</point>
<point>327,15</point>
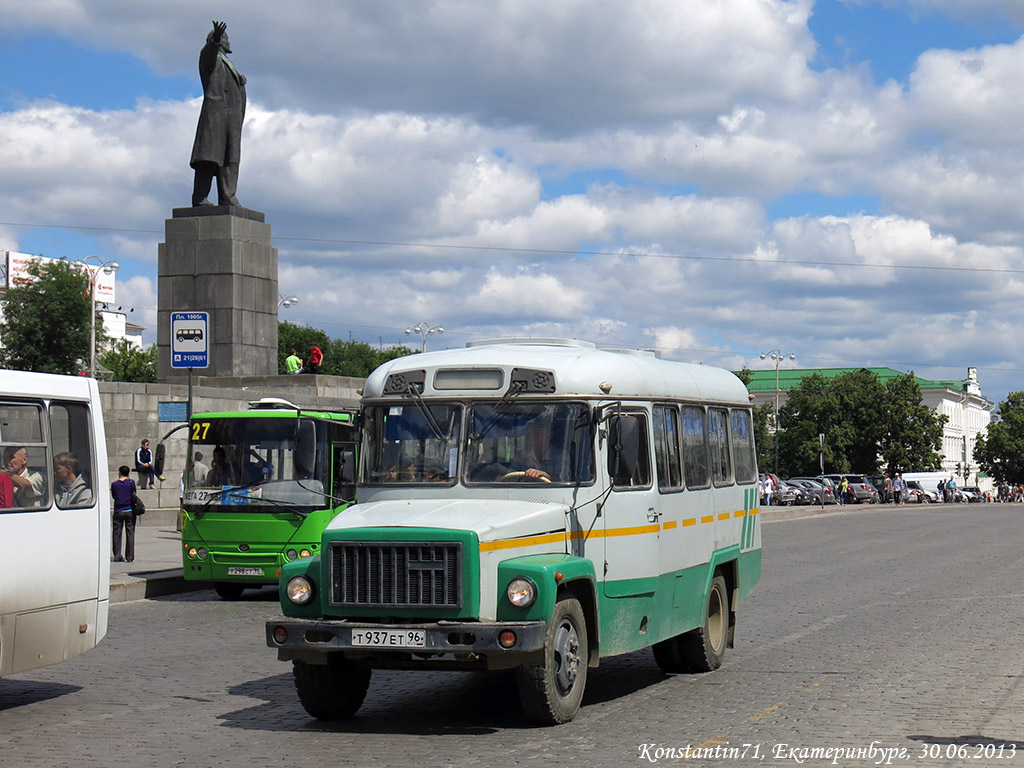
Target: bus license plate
<point>389,638</point>
<point>239,571</point>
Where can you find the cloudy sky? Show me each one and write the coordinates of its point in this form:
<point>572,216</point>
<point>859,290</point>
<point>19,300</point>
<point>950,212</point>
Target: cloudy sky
<point>842,180</point>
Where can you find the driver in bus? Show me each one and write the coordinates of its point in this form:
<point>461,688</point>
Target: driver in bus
<point>538,462</point>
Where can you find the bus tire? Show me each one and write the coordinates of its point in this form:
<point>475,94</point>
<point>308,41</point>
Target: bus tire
<point>551,692</point>
<point>703,649</point>
<point>227,590</point>
<point>332,691</point>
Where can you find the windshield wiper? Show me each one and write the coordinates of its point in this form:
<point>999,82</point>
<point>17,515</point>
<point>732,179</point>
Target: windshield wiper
<point>417,398</point>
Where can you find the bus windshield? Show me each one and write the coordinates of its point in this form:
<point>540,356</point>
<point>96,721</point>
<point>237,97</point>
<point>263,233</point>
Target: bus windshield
<point>256,464</point>
<point>549,443</point>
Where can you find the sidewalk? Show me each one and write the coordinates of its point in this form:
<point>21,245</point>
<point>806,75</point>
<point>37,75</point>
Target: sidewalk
<point>157,568</point>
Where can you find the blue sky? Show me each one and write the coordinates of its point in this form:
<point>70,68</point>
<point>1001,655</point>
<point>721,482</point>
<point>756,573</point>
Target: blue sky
<point>712,179</point>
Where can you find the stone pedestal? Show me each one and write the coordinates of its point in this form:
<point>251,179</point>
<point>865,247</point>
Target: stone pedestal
<point>218,259</point>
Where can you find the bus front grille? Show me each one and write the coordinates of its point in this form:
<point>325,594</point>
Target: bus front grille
<point>396,574</point>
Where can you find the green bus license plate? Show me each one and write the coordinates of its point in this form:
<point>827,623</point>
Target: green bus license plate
<point>389,638</point>
<point>236,570</point>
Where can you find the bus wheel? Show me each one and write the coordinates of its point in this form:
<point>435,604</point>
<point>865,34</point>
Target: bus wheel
<point>704,648</point>
<point>551,692</point>
<point>228,590</point>
<point>331,691</point>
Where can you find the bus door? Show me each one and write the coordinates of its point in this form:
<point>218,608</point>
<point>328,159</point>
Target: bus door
<point>632,513</point>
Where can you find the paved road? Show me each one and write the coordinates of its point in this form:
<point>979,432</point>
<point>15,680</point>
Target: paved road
<point>872,628</point>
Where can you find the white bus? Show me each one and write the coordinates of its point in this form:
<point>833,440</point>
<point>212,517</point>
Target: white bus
<point>54,519</point>
<point>536,505</point>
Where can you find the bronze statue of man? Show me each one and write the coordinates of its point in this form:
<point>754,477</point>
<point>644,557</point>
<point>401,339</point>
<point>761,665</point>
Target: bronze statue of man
<point>217,147</point>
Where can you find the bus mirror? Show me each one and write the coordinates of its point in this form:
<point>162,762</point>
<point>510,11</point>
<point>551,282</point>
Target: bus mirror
<point>347,467</point>
<point>623,447</point>
<point>305,449</point>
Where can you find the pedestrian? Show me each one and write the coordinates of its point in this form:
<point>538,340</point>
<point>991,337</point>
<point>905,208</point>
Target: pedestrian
<point>899,488</point>
<point>844,487</point>
<point>292,364</point>
<point>951,489</point>
<point>144,464</point>
<point>122,490</point>
<point>888,486</point>
<point>942,489</point>
<point>315,358</point>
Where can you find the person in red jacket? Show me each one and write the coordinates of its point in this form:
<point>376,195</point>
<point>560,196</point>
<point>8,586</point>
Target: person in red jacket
<point>315,358</point>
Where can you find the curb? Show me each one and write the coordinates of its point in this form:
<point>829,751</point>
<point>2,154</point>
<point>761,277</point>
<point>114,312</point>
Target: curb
<point>126,586</point>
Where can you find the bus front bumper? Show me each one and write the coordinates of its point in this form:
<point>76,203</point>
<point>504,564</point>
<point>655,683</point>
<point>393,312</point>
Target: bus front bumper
<point>496,644</point>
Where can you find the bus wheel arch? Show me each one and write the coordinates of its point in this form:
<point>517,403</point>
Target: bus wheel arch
<point>702,649</point>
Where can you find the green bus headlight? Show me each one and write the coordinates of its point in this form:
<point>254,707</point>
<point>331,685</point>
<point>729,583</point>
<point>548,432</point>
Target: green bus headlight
<point>299,590</point>
<point>521,592</point>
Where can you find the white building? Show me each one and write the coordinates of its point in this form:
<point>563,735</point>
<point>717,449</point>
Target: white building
<point>967,412</point>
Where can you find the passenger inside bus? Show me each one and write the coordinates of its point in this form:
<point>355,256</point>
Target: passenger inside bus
<point>29,485</point>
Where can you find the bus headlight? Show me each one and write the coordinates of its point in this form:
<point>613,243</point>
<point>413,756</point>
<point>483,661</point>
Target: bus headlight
<point>291,554</point>
<point>521,592</point>
<point>197,554</point>
<point>304,553</point>
<point>299,590</point>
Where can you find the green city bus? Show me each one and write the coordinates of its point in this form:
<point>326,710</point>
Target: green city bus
<point>261,486</point>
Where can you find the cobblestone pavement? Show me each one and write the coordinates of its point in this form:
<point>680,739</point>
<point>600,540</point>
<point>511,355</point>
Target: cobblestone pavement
<point>872,629</point>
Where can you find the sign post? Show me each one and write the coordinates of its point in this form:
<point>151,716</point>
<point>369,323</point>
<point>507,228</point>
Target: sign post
<point>190,344</point>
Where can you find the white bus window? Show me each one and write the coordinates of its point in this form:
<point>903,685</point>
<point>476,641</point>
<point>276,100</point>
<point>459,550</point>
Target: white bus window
<point>73,472</point>
<point>718,446</point>
<point>695,452</point>
<point>666,448</point>
<point>23,453</point>
<point>743,447</point>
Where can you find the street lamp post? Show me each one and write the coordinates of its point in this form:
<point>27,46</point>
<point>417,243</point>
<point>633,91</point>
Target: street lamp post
<point>777,357</point>
<point>108,267</point>
<point>424,330</point>
<point>286,301</point>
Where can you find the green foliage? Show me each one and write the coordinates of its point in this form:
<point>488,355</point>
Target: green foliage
<point>341,358</point>
<point>1000,453</point>
<point>863,421</point>
<point>913,431</point>
<point>45,326</point>
<point>126,362</point>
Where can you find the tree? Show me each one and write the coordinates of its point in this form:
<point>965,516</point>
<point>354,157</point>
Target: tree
<point>913,431</point>
<point>1000,453</point>
<point>45,326</point>
<point>126,362</point>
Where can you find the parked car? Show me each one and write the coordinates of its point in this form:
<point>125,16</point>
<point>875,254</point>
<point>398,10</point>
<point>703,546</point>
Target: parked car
<point>801,495</point>
<point>971,494</point>
<point>863,492</point>
<point>924,495</point>
<point>823,494</point>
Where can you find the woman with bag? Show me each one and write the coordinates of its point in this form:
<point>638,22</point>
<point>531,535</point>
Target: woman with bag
<point>123,491</point>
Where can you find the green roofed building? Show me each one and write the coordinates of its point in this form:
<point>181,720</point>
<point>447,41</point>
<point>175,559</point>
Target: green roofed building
<point>960,400</point>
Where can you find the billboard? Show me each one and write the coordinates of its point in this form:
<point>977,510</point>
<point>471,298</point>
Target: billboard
<point>18,274</point>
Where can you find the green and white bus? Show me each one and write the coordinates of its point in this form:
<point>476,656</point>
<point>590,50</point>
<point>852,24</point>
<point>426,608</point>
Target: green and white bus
<point>261,486</point>
<point>534,505</point>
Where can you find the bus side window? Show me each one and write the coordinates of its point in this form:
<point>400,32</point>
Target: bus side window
<point>666,448</point>
<point>695,450</point>
<point>73,471</point>
<point>718,443</point>
<point>629,453</point>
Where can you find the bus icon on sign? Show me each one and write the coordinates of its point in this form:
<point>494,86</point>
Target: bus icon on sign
<point>190,334</point>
